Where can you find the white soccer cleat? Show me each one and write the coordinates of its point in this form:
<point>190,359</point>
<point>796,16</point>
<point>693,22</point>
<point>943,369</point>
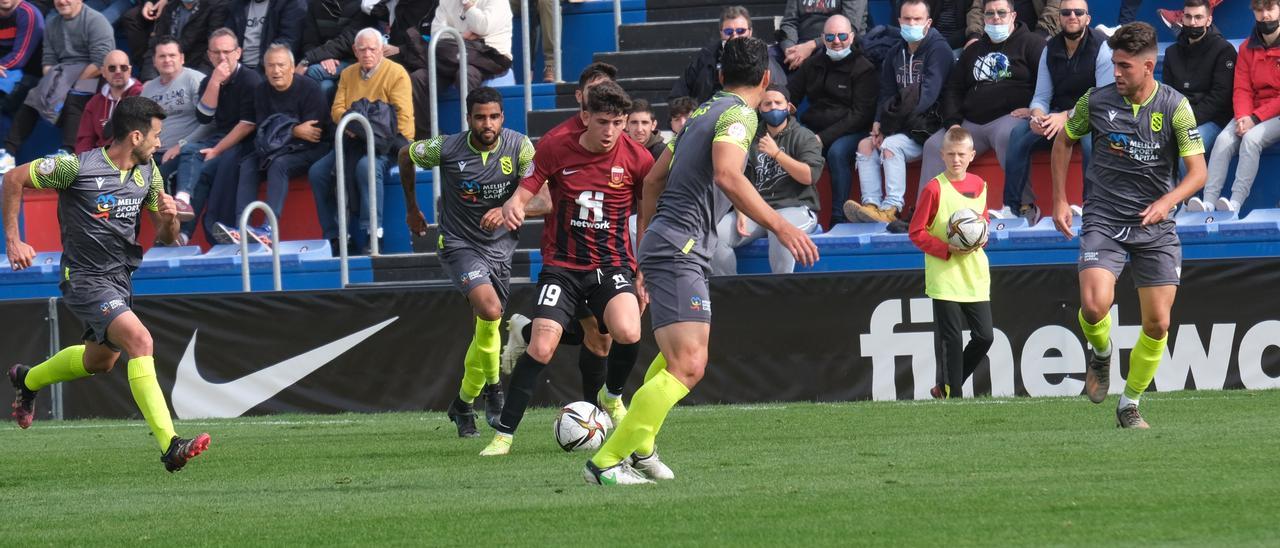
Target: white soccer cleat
<point>618,474</point>
<point>651,467</point>
<point>516,344</point>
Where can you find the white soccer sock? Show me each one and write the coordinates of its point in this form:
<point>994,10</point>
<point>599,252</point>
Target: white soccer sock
<point>1126,402</point>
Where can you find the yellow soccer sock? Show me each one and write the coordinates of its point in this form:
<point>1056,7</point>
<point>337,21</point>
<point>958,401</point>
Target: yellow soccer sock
<point>1098,334</point>
<point>150,400</point>
<point>488,344</point>
<point>484,348</point>
<point>1143,361</point>
<point>66,365</point>
<point>659,364</point>
<point>649,407</point>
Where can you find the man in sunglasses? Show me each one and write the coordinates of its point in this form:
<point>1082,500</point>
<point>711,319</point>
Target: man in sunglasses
<point>801,30</point>
<point>1039,16</point>
<point>1074,61</point>
<point>96,114</point>
<point>701,79</point>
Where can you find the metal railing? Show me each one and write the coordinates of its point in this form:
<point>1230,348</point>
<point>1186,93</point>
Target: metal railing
<point>433,86</point>
<point>617,25</point>
<point>244,244</point>
<point>558,26</point>
<point>344,272</point>
<point>528,59</point>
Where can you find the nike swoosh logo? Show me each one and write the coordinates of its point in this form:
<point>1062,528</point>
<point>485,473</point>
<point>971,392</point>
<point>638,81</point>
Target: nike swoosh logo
<point>194,397</point>
<point>568,172</point>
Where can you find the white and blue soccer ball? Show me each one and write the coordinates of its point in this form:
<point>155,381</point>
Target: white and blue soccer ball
<point>581,426</point>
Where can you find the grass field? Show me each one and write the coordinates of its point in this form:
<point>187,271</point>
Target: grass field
<point>986,471</point>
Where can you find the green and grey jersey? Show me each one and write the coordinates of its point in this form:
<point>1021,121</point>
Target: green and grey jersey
<point>691,204</point>
<point>98,208</point>
<point>1136,148</point>
<point>474,182</point>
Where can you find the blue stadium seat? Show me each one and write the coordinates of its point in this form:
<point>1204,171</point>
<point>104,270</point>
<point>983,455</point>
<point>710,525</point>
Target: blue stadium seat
<point>1259,224</point>
<point>507,78</point>
<point>1185,218</point>
<point>47,258</point>
<point>307,250</point>
<point>164,253</point>
<point>854,229</point>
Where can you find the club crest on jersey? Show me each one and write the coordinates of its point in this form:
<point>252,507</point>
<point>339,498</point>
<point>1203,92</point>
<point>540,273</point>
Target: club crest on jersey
<point>1157,121</point>
<point>46,166</point>
<point>420,149</point>
<point>505,163</point>
<point>617,177</point>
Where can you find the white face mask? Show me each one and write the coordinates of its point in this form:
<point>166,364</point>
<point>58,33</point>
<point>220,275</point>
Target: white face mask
<point>998,33</point>
<point>838,54</point>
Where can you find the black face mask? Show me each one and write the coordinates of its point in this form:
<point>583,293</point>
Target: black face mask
<point>1193,33</point>
<point>1267,27</point>
<point>1073,35</point>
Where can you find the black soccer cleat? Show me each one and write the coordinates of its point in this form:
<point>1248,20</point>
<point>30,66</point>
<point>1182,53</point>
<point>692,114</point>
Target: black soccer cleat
<point>24,400</point>
<point>183,450</point>
<point>463,415</point>
<point>494,400</point>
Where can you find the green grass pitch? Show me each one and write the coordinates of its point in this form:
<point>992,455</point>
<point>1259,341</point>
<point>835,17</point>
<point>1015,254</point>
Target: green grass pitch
<point>977,472</point>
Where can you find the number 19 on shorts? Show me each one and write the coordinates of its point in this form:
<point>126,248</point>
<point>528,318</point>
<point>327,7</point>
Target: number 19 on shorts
<point>549,295</point>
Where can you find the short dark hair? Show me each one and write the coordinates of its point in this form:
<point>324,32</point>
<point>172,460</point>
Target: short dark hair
<point>1197,4</point>
<point>744,62</point>
<point>596,71</point>
<point>134,114</point>
<point>1010,2</point>
<point>912,2</point>
<point>681,106</point>
<point>165,40</point>
<point>483,95</point>
<point>1263,4</point>
<point>641,105</point>
<point>1135,39</point>
<point>733,12</point>
<point>608,98</point>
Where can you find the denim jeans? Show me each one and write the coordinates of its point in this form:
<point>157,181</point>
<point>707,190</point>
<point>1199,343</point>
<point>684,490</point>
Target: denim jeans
<point>323,186</point>
<point>903,149</point>
<point>840,161</point>
<point>328,82</point>
<point>278,173</point>
<point>1017,165</point>
<point>111,9</point>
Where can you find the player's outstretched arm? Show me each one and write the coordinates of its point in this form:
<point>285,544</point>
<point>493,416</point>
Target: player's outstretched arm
<point>20,254</point>
<point>408,180</point>
<point>727,159</point>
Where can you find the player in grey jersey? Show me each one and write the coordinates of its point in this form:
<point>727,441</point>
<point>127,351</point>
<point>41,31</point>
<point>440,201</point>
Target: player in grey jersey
<point>101,194</point>
<point>480,168</point>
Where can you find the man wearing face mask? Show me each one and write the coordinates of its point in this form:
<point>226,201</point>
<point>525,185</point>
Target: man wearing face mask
<point>1039,16</point>
<point>1256,105</point>
<point>782,164</point>
<point>701,78</point>
<point>1074,61</point>
<point>1202,66</point>
<point>988,91</point>
<point>842,87</point>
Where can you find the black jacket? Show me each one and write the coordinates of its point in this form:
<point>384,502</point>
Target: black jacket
<point>802,20</point>
<point>701,79</point>
<point>284,22</point>
<point>1205,73</point>
<point>842,94</point>
<point>325,36</point>
<point>209,15</point>
<point>991,80</point>
<point>911,86</point>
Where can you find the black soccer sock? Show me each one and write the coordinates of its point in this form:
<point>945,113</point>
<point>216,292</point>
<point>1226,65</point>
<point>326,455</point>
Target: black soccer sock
<point>527,331</point>
<point>622,359</point>
<point>572,335</point>
<point>593,370</point>
<point>519,391</point>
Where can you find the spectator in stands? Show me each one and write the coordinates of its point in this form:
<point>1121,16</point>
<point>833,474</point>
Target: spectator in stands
<point>373,79</point>
<point>21,33</point>
<point>841,86</point>
<point>911,81</point>
<point>76,39</point>
<point>176,89</point>
<point>803,23</point>
<point>1073,62</point>
<point>545,23</point>
<point>188,21</point>
<point>1042,19</point>
<point>990,87</point>
<point>292,118</point>
<point>643,128</point>
<point>110,9</point>
<point>950,18</point>
<point>701,78</point>
<point>330,27</point>
<point>211,166</point>
<point>1256,102</point>
<point>784,163</point>
<point>406,22</point>
<point>260,23</point>
<point>486,29</point>
<point>97,112</point>
<point>678,111</point>
<point>1201,65</point>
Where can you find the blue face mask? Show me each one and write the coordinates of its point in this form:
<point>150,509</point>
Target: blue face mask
<point>838,54</point>
<point>775,117</point>
<point>997,33</point>
<point>913,33</point>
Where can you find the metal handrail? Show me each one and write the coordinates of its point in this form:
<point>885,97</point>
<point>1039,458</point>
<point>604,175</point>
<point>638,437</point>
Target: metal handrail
<point>344,272</point>
<point>434,88</point>
<point>528,61</point>
<point>555,9</point>
<point>617,25</point>
<point>244,244</point>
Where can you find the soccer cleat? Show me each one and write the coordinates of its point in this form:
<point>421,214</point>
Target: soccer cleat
<point>183,450</point>
<point>618,474</point>
<point>937,393</point>
<point>463,415</point>
<point>650,467</point>
<point>613,406</point>
<point>1097,378</point>
<point>516,344</point>
<point>494,400</point>
<point>1128,417</point>
<point>501,445</point>
<point>24,400</point>
<point>1196,205</point>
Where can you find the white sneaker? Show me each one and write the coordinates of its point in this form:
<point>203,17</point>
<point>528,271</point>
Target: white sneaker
<point>651,467</point>
<point>1195,205</point>
<point>618,474</point>
<point>1108,30</point>
<point>1002,213</point>
<point>1077,211</point>
<point>1224,204</point>
<point>516,344</point>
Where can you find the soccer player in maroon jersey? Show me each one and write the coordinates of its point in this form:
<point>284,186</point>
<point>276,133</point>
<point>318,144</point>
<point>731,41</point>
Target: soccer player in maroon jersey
<point>594,176</point>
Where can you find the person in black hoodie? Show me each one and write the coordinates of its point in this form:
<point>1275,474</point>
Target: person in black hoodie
<point>842,87</point>
<point>1202,66</point>
<point>278,21</point>
<point>989,88</point>
<point>702,77</point>
<point>327,37</point>
<point>911,81</point>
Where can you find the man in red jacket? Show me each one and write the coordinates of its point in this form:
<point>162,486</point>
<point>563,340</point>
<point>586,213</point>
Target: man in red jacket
<point>120,84</point>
